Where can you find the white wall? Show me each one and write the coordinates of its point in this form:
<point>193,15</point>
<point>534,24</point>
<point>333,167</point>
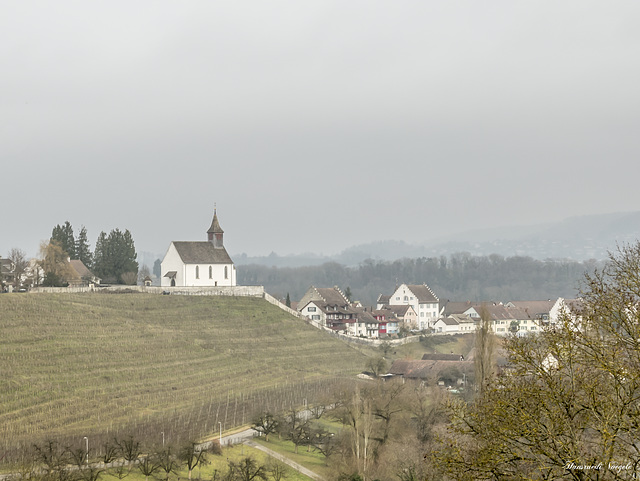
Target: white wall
<point>172,262</point>
<point>217,278</point>
<point>186,274</point>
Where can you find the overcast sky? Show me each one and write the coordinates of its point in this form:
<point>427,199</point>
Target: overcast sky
<point>314,125</point>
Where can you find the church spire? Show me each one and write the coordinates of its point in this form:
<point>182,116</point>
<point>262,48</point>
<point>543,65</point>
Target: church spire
<point>215,232</point>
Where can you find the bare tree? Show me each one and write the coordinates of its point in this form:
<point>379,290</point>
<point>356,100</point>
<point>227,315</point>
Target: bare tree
<point>20,265</point>
<point>192,455</point>
<point>168,463</point>
<point>129,448</point>
<point>277,470</point>
<point>266,423</point>
<point>110,451</point>
<point>247,469</point>
<point>148,465</point>
<point>570,401</point>
<point>484,355</point>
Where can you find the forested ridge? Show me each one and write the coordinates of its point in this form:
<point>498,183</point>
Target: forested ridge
<point>460,277</point>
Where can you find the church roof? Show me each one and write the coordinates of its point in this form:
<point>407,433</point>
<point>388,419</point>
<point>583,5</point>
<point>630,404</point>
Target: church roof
<point>215,225</point>
<point>202,252</point>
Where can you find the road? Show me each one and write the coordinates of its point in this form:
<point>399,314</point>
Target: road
<point>246,437</point>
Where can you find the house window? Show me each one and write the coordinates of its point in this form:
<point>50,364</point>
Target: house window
<point>197,272</point>
<point>406,298</point>
<point>315,317</point>
<point>311,309</point>
<point>210,272</point>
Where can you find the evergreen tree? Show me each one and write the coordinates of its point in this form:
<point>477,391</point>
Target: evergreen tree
<point>100,257</point>
<point>63,236</point>
<point>115,255</point>
<point>288,301</point>
<point>83,252</point>
<point>347,293</point>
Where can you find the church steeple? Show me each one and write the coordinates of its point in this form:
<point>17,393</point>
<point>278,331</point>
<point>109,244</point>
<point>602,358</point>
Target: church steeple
<point>215,232</point>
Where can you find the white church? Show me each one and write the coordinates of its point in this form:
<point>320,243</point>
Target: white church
<point>199,263</point>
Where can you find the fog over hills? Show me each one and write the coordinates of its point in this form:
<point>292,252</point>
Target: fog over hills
<point>576,238</point>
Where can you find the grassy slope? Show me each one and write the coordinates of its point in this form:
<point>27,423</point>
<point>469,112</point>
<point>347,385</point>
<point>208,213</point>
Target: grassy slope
<point>75,364</point>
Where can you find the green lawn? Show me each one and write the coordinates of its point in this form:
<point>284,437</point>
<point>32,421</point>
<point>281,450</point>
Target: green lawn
<point>215,464</point>
<point>312,460</point>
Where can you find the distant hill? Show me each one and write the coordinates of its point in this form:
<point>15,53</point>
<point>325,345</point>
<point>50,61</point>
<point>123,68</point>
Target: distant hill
<point>102,365</point>
<point>576,238</point>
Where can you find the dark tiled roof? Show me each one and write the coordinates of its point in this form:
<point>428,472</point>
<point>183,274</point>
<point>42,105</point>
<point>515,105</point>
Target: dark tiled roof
<point>460,307</point>
<point>399,310</point>
<point>535,308</point>
<point>332,295</point>
<point>6,266</point>
<point>441,357</point>
<point>423,293</point>
<point>426,369</point>
<point>215,225</point>
<point>80,268</point>
<point>450,321</point>
<point>383,299</point>
<point>201,252</point>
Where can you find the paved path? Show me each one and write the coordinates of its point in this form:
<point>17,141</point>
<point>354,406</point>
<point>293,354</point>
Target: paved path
<point>246,437</point>
<point>285,460</point>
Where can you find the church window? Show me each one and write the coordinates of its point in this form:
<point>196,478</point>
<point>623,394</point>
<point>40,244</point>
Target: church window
<point>226,272</point>
<point>197,272</point>
<point>210,272</point>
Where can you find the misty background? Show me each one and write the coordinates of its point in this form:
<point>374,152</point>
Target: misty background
<point>319,127</point>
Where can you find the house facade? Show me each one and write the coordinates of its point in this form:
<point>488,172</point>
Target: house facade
<point>423,301</point>
<point>199,263</point>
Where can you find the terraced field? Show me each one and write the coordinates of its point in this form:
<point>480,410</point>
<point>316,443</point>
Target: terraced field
<point>102,365</point>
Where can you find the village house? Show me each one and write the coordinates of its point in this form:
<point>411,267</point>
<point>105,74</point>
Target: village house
<point>7,269</point>
<point>421,298</point>
<point>199,263</point>
<point>388,322</point>
<point>447,325</point>
<point>329,307</point>
<point>80,275</point>
<point>519,317</point>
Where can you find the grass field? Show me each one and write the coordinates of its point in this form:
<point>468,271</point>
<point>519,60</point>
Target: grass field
<point>219,464</point>
<point>100,365</point>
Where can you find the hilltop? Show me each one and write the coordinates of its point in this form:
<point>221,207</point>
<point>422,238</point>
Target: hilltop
<point>101,364</point>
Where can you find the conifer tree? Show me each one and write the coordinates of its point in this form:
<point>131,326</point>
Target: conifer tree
<point>63,236</point>
<point>83,252</point>
<point>115,255</point>
<point>100,256</point>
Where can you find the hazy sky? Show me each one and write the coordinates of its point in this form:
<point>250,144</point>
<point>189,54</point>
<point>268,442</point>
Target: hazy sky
<point>314,125</point>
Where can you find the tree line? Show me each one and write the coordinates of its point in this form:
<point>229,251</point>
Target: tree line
<point>459,277</point>
<point>114,258</point>
<point>122,457</point>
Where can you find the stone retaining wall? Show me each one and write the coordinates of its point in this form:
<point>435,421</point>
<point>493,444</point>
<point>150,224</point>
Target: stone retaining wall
<point>239,291</point>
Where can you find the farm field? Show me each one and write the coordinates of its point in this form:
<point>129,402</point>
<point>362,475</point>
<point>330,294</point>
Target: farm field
<point>105,365</point>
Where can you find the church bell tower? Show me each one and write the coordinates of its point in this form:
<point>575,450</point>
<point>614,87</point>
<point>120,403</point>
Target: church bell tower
<point>215,232</point>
